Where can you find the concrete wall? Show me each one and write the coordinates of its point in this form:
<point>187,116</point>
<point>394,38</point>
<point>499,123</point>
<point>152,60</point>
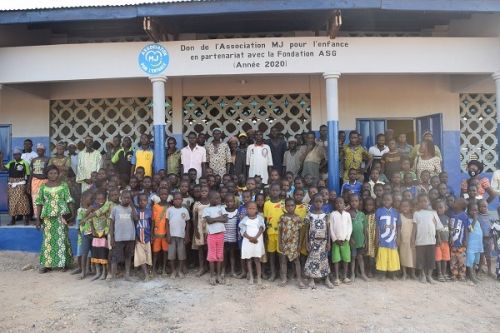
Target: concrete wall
<point>397,96</point>
<point>361,96</point>
<point>366,96</point>
<point>27,113</point>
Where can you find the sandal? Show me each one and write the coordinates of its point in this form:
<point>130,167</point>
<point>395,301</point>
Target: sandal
<point>346,281</point>
<point>336,283</point>
<point>441,278</point>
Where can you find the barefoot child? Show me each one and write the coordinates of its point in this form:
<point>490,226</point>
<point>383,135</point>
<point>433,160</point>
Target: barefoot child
<point>289,236</point>
<point>142,254</point>
<point>159,231</point>
<point>388,229</point>
<point>371,227</point>
<point>100,229</point>
<point>215,216</point>
<point>407,254</point>
<point>459,223</point>
<point>177,235</point>
<point>200,229</point>
<point>474,242</point>
<point>318,244</point>
<point>273,209</point>
<point>230,239</point>
<point>246,197</point>
<point>340,224</point>
<point>427,225</point>
<point>443,249</point>
<point>484,220</point>
<point>84,233</point>
<point>252,248</point>
<point>122,234</point>
<point>357,237</point>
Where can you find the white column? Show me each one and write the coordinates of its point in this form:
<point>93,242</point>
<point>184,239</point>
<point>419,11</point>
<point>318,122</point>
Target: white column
<point>159,121</point>
<point>177,109</point>
<point>496,77</point>
<point>332,120</point>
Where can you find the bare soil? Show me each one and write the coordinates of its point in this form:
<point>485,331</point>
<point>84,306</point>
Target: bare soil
<point>57,301</point>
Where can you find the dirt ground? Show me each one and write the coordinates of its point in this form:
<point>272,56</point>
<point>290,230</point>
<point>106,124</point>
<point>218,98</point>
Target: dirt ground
<point>57,301</point>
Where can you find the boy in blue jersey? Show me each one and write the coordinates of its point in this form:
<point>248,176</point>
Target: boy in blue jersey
<point>388,227</point>
<point>353,184</point>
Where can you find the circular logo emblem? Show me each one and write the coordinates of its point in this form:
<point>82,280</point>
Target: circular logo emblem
<point>153,59</point>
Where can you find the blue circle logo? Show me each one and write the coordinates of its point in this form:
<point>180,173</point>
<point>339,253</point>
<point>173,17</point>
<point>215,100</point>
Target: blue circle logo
<point>153,59</point>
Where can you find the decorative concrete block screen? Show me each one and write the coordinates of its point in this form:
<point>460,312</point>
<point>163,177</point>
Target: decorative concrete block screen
<point>478,125</point>
<point>235,114</point>
<point>103,118</point>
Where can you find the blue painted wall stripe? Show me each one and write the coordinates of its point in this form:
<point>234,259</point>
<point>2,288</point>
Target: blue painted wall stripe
<point>451,159</point>
<point>28,239</point>
<point>333,155</point>
<point>159,147</point>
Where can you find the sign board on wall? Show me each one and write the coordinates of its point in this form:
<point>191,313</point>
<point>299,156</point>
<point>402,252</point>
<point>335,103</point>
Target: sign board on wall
<point>287,55</point>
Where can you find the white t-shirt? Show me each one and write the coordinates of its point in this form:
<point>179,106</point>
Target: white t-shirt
<point>259,158</point>
<point>29,156</point>
<point>377,153</point>
<point>427,222</point>
<point>177,218</point>
<point>215,211</point>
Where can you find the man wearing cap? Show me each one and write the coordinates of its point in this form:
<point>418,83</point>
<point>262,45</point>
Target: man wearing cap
<point>38,177</point>
<point>19,171</point>
<point>474,169</point>
<point>293,158</point>
<point>259,158</point>
<point>89,160</point>
<point>416,150</point>
<point>218,154</point>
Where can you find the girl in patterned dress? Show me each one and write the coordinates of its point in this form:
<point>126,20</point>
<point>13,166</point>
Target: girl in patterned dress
<point>289,241</point>
<point>318,244</point>
<point>371,245</point>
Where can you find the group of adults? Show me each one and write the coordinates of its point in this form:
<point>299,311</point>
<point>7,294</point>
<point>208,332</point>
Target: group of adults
<point>249,154</point>
<point>388,154</point>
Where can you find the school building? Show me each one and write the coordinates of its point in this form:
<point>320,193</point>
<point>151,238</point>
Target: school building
<point>69,69</point>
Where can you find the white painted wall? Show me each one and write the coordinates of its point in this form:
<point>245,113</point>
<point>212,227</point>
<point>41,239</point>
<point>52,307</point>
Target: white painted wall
<point>29,114</point>
<point>396,96</point>
<point>361,96</point>
<point>374,55</point>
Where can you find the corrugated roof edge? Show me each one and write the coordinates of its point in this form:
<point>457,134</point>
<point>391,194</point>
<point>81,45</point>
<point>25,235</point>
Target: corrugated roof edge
<point>73,4</point>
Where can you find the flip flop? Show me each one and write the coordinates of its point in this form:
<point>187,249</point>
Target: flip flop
<point>336,282</point>
<point>346,281</point>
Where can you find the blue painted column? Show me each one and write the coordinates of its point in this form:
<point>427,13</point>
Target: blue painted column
<point>332,117</point>
<point>496,78</point>
<point>159,122</point>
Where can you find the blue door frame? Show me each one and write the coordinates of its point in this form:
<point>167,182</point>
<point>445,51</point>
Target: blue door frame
<point>6,149</point>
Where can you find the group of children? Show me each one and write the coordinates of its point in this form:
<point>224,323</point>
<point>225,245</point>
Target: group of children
<point>237,224</point>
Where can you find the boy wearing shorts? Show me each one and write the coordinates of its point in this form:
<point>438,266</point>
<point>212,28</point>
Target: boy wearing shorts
<point>177,235</point>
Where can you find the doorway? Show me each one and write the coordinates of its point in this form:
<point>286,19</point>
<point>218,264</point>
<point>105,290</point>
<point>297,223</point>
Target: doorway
<point>403,126</point>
